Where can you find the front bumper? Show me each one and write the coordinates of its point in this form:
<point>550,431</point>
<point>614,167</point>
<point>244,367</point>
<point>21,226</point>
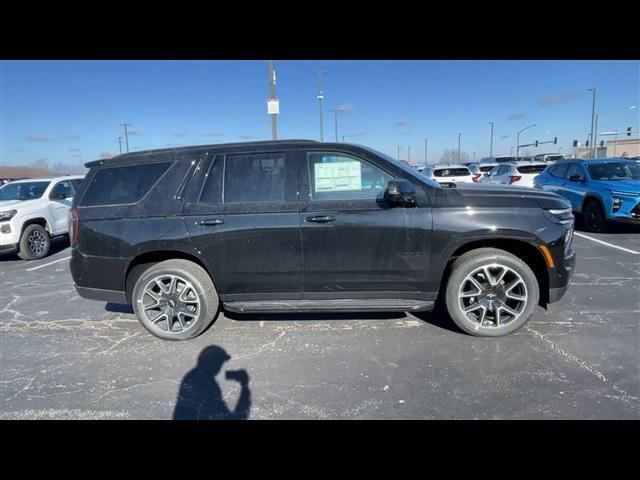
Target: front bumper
<point>628,212</point>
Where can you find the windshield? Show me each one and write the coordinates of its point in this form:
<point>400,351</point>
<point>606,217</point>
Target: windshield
<point>22,190</point>
<point>411,171</point>
<point>614,171</point>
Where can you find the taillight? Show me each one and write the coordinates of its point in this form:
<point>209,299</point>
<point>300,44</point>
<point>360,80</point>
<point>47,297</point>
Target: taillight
<point>476,178</point>
<point>515,178</point>
<point>74,224</point>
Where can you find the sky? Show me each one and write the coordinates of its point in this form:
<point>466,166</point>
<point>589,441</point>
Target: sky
<point>70,111</point>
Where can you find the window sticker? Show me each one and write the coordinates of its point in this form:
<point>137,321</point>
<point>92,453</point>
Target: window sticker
<point>338,176</point>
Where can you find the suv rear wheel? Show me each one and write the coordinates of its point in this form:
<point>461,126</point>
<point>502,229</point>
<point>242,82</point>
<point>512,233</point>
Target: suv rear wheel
<point>175,299</point>
<point>35,242</point>
<point>491,292</point>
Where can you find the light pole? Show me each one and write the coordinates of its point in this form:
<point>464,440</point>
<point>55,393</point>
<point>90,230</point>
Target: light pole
<point>120,144</point>
<point>272,96</point>
<point>336,110</point>
<point>518,139</point>
<point>593,120</point>
<point>320,97</point>
<point>398,152</point>
<point>126,135</point>
<point>491,144</point>
<point>409,154</point>
<point>425,151</point>
<point>459,135</point>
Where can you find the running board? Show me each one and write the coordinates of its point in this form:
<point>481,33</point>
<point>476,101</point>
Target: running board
<point>365,305</point>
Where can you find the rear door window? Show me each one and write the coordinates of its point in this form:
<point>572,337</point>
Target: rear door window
<point>62,188</point>
<point>255,178</point>
<point>122,185</point>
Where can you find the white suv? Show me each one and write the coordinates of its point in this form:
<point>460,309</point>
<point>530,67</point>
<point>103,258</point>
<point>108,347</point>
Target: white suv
<point>449,174</point>
<point>34,210</point>
<point>519,173</point>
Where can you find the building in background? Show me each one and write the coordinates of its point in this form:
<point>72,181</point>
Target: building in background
<point>627,147</point>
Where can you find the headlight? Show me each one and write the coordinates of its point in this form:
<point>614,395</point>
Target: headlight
<point>7,215</point>
<point>563,216</point>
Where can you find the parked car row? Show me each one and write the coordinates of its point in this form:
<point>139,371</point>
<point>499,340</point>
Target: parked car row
<point>33,211</point>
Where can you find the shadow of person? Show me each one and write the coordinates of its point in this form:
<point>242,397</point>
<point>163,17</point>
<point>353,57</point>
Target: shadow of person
<point>200,397</point>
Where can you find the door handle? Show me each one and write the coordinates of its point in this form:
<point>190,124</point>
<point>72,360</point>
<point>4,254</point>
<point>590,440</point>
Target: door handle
<point>210,221</point>
<point>321,219</point>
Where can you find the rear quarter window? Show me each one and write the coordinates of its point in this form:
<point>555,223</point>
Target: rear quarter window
<point>122,185</point>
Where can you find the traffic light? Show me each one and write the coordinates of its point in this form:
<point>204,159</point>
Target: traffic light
<point>628,131</point>
<point>536,143</point>
<point>576,143</point>
<point>602,143</point>
<point>586,144</point>
<point>555,140</point>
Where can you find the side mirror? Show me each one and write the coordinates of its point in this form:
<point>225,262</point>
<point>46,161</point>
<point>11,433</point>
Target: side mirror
<point>576,178</point>
<point>400,192</point>
<point>59,196</point>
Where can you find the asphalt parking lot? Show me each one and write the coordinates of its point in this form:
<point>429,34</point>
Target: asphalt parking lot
<point>64,357</point>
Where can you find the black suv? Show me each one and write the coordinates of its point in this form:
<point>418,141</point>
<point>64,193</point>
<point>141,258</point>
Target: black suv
<point>302,226</point>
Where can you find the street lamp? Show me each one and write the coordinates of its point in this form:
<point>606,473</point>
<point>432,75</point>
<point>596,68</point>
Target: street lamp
<point>518,139</point>
<point>459,135</point>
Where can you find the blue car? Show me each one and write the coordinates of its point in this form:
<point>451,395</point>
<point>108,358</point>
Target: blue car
<point>601,189</point>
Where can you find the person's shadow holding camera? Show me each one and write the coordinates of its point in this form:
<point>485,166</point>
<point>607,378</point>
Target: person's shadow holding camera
<point>200,396</point>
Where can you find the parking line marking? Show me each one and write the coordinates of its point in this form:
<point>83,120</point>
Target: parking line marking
<point>47,264</point>
<point>606,243</point>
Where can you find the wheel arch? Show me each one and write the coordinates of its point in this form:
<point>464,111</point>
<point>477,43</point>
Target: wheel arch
<point>524,250</point>
<point>145,260</point>
<point>593,196</point>
<point>38,220</point>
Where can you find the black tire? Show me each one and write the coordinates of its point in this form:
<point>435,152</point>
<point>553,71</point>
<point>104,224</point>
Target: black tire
<point>35,242</point>
<point>471,261</point>
<point>593,217</point>
<point>204,290</point>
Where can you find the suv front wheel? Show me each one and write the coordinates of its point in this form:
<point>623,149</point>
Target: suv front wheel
<point>35,242</point>
<point>175,299</point>
<point>491,292</point>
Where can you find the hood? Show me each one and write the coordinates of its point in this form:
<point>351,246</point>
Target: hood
<point>500,196</point>
<point>628,186</point>
<point>16,204</point>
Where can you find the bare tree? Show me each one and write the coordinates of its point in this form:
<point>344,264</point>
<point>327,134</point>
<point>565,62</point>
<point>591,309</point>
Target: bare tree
<point>40,164</point>
<point>451,156</point>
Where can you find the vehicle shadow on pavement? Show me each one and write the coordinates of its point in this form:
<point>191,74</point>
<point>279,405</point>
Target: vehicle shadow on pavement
<point>57,245</point>
<point>200,396</point>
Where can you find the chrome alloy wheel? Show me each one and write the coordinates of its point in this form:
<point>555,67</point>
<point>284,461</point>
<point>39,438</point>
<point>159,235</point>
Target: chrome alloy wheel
<point>493,295</point>
<point>170,303</point>
<point>37,242</point>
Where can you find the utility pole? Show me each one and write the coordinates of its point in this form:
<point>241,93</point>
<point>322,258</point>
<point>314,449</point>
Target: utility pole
<point>459,135</point>
<point>336,110</point>
<point>398,152</point>
<point>320,97</point>
<point>593,120</point>
<point>120,144</point>
<point>491,144</point>
<point>126,134</point>
<point>272,98</point>
<point>425,151</point>
<point>409,155</point>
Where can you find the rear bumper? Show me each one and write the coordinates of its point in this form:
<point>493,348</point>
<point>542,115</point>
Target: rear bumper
<point>99,278</point>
